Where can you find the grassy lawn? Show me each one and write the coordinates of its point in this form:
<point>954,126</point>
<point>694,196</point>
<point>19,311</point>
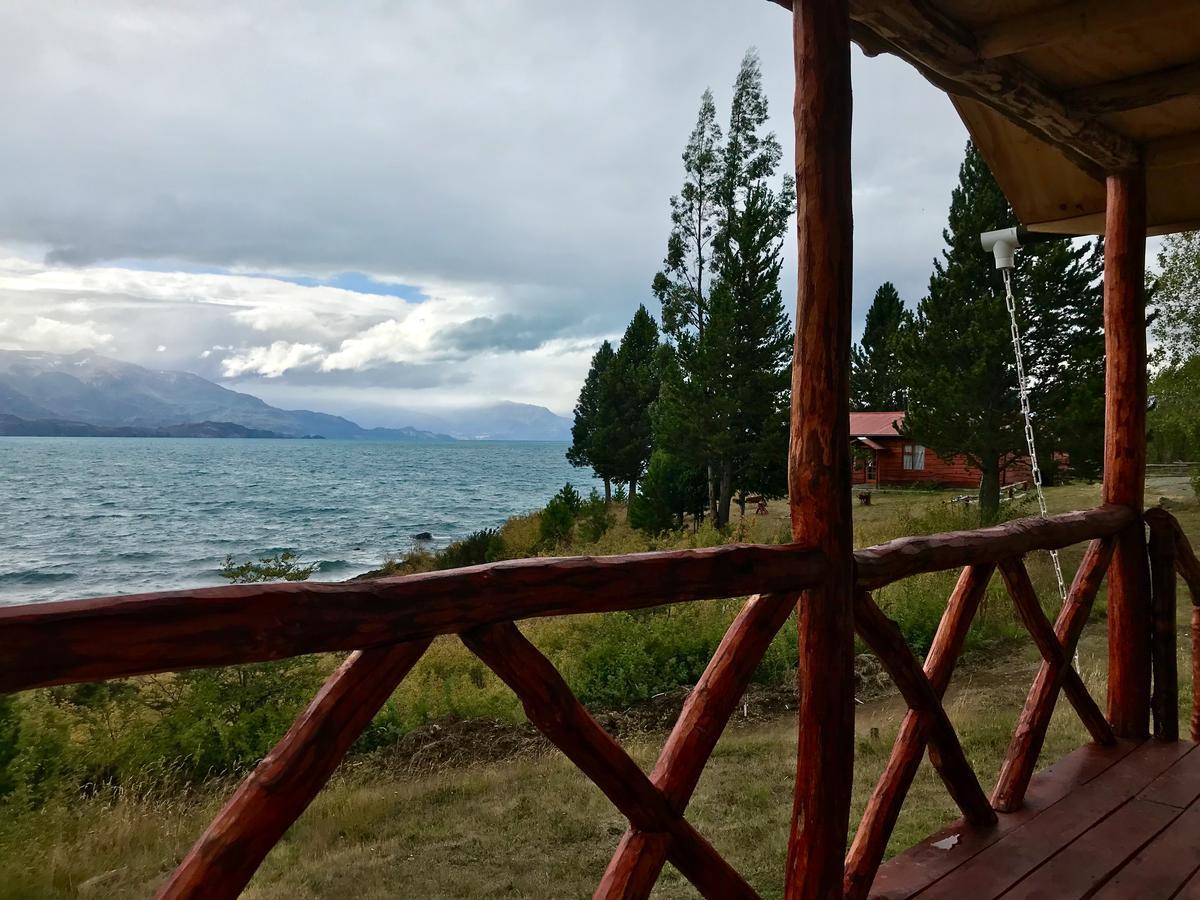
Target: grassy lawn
<point>531,826</point>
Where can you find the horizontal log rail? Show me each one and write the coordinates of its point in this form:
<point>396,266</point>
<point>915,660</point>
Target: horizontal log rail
<point>110,637</point>
<point>902,558</point>
<point>60,642</point>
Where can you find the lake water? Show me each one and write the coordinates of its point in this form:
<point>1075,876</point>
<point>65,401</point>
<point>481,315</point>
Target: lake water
<point>83,517</point>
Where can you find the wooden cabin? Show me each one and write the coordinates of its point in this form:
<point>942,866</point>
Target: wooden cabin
<point>881,455</point>
<point>1088,112</point>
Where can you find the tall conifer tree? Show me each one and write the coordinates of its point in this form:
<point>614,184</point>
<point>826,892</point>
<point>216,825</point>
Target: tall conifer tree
<point>628,389</point>
<point>733,362</point>
<point>587,417</point>
<point>958,356</point>
<point>876,381</point>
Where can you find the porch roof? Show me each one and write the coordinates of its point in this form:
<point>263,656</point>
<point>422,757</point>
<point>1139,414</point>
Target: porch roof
<point>1057,94</point>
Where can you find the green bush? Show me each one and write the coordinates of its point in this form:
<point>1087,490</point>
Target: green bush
<point>558,518</point>
<point>473,550</point>
<point>283,566</point>
<point>595,518</point>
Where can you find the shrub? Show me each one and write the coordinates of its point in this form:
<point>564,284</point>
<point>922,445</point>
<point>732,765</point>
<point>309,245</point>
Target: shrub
<point>558,518</point>
<point>283,566</point>
<point>1196,481</point>
<point>476,548</point>
<point>595,518</point>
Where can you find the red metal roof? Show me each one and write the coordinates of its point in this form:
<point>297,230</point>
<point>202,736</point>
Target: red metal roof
<point>875,424</point>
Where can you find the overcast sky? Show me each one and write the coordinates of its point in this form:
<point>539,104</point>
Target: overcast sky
<point>361,205</point>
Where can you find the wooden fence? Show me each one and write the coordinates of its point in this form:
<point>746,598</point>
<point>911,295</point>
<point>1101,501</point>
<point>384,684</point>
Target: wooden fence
<point>389,623</point>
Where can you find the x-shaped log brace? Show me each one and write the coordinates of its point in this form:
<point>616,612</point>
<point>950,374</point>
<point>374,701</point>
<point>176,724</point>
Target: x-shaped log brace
<point>1029,609</point>
<point>225,858</point>
<point>883,808</point>
<point>945,751</point>
<point>1057,646</point>
<point>557,713</point>
<point>639,856</point>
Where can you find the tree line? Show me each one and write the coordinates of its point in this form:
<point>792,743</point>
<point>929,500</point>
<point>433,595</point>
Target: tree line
<point>693,412</point>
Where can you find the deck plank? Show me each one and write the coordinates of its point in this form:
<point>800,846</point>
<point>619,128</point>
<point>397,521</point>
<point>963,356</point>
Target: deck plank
<point>1191,890</point>
<point>918,867</point>
<point>992,872</point>
<point>1178,786</point>
<point>1158,870</point>
<point>1090,860</point>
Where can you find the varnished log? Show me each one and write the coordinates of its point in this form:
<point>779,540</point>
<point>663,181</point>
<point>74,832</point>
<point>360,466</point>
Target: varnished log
<point>690,744</point>
<point>1030,732</point>
<point>558,714</point>
<point>1186,563</point>
<point>1029,610</point>
<point>225,858</point>
<point>635,867</point>
<point>109,637</point>
<point>1164,700</point>
<point>904,557</point>
<point>1195,729</point>
<point>819,450</point>
<point>1125,451</point>
<point>946,754</point>
<point>883,808</point>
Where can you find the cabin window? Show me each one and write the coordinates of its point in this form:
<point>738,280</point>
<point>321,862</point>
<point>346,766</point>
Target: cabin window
<point>914,457</point>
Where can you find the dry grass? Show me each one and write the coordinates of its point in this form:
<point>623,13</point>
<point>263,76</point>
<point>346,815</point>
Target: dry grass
<point>534,827</point>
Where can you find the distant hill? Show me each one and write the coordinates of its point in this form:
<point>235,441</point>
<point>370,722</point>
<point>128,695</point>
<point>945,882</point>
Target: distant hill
<point>504,421</point>
<point>11,426</point>
<point>88,389</point>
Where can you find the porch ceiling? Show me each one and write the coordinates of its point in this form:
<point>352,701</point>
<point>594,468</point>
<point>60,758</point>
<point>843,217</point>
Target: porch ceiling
<point>1057,94</point>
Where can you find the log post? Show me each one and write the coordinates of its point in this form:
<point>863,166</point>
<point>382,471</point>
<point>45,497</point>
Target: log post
<point>1165,698</point>
<point>1125,451</point>
<point>819,453</point>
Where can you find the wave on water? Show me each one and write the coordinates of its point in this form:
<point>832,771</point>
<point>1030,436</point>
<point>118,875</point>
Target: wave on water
<point>34,576</point>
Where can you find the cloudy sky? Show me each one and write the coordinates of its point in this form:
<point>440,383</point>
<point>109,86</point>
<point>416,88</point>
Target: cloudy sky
<point>411,203</point>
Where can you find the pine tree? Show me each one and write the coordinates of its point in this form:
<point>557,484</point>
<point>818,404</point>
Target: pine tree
<point>724,410</point>
<point>680,286</point>
<point>1059,288</point>
<point>630,385</point>
<point>876,381</point>
<point>957,354</point>
<point>587,413</point>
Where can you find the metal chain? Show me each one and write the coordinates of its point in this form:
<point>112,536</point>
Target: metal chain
<point>1023,392</point>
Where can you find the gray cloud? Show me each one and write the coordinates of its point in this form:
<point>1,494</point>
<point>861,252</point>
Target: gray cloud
<point>504,332</point>
<point>528,148</point>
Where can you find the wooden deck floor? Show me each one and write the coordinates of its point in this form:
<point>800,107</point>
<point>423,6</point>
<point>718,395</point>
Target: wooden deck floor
<point>1109,823</point>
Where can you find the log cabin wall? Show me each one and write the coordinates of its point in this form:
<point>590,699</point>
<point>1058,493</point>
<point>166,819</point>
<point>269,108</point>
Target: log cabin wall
<point>957,471</point>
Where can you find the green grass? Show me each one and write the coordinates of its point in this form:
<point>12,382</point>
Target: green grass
<point>531,826</point>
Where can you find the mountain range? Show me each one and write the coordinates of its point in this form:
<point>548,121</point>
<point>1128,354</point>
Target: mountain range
<point>53,391</point>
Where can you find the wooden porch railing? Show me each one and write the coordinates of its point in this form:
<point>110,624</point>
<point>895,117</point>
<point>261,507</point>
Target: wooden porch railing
<point>389,623</point>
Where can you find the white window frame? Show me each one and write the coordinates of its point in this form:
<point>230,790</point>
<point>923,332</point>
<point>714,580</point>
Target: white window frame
<point>914,457</point>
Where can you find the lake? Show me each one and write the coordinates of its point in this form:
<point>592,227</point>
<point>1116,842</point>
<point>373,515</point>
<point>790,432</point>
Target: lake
<point>83,517</point>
